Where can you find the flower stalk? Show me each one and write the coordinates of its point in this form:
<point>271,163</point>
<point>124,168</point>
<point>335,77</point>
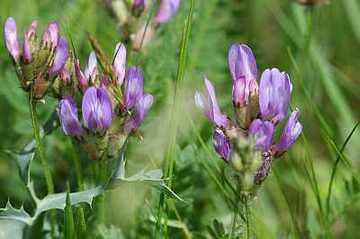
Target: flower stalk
<point>41,154</point>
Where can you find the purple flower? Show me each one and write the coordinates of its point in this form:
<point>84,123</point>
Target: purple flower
<point>51,35</point>
<point>263,132</point>
<point>134,86</point>
<point>274,95</point>
<point>68,116</point>
<point>210,106</point>
<point>290,133</point>
<point>137,4</point>
<point>83,82</point>
<point>97,109</point>
<point>243,71</point>
<point>60,58</point>
<point>167,10</point>
<point>221,144</point>
<point>240,92</point>
<point>32,29</point>
<point>119,62</point>
<point>242,62</point>
<point>11,40</point>
<point>31,32</point>
<point>137,116</point>
<point>91,67</point>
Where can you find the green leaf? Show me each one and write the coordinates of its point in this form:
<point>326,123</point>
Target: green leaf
<point>58,200</point>
<point>69,218</point>
<point>11,213</point>
<point>13,222</point>
<point>10,229</point>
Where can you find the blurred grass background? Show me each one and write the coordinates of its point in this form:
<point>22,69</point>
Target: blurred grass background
<point>318,47</point>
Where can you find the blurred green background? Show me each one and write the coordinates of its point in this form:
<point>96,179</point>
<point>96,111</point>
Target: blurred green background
<point>319,47</point>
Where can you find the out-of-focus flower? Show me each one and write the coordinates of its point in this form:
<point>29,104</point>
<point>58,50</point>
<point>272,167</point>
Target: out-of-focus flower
<point>290,133</point>
<point>167,10</point>
<point>68,116</point>
<point>221,144</point>
<point>262,131</point>
<point>310,2</point>
<point>119,62</point>
<point>137,116</point>
<point>134,86</point>
<point>11,40</point>
<point>97,109</point>
<point>210,106</point>
<point>274,95</point>
<point>60,57</point>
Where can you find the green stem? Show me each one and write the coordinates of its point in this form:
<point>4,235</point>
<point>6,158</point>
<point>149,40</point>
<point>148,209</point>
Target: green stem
<point>41,154</point>
<point>248,217</point>
<point>79,179</point>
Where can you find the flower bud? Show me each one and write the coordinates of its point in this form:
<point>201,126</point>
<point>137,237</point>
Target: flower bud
<point>290,133</point>
<point>138,4</point>
<point>91,71</point>
<point>242,64</point>
<point>262,131</point>
<point>119,62</point>
<point>167,10</point>
<point>97,109</point>
<point>210,107</point>
<point>274,95</point>
<point>83,82</point>
<point>134,86</point>
<point>221,144</point>
<point>60,57</point>
<point>68,115</point>
<point>11,40</point>
<point>29,44</point>
<point>51,35</point>
<point>137,116</point>
<point>138,7</point>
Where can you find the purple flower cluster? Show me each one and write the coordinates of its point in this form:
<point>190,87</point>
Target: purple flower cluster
<point>105,101</point>
<point>99,100</point>
<point>258,109</point>
<point>37,63</point>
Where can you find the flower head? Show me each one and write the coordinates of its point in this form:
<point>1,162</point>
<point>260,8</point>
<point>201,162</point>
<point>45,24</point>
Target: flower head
<point>262,131</point>
<point>167,10</point>
<point>11,40</point>
<point>68,116</point>
<point>97,109</point>
<point>290,133</point>
<point>210,106</point>
<point>274,95</point>
<point>221,144</point>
